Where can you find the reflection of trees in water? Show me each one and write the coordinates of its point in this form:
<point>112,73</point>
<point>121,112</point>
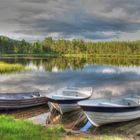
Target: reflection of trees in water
<point>74,63</point>
<point>63,64</point>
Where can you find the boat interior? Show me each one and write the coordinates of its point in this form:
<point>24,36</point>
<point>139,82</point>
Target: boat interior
<point>28,95</point>
<point>71,93</point>
<point>121,101</point>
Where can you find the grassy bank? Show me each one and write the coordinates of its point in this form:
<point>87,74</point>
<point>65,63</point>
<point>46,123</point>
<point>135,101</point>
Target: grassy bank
<point>9,68</point>
<point>11,129</point>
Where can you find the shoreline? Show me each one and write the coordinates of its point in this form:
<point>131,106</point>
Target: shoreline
<point>70,55</point>
<point>120,131</point>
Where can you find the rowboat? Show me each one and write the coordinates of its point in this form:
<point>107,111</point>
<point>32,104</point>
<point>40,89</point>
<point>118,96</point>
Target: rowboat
<point>21,100</point>
<point>111,110</point>
<point>66,99</point>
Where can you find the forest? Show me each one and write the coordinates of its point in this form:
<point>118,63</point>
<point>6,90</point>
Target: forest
<point>61,46</point>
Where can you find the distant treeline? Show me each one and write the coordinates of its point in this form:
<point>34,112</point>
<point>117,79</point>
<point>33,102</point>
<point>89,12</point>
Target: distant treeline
<point>51,46</point>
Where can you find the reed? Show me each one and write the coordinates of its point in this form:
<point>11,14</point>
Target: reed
<point>9,68</point>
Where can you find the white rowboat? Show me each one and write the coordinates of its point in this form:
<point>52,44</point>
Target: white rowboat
<point>110,110</point>
<point>66,99</point>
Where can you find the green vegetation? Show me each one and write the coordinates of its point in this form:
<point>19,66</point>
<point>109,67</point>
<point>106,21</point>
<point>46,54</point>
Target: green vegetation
<point>75,63</point>
<point>11,129</point>
<point>63,63</point>
<point>67,48</point>
<point>9,68</point>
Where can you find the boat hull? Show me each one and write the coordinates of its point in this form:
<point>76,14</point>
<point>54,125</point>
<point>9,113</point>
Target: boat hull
<point>22,103</point>
<point>102,118</point>
<point>63,108</point>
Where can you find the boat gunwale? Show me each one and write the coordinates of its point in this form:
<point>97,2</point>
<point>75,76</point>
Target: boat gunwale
<point>19,93</point>
<point>84,103</point>
<point>106,108</point>
<point>23,96</point>
<point>66,101</point>
<point>24,99</point>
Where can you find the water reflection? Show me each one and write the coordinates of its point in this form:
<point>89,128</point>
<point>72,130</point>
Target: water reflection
<point>74,63</point>
<point>118,76</point>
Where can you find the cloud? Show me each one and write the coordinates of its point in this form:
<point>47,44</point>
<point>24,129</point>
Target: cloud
<point>35,1</point>
<point>90,19</point>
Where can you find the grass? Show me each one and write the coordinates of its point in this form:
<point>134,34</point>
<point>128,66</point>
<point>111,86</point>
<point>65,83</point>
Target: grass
<point>9,68</point>
<point>11,129</point>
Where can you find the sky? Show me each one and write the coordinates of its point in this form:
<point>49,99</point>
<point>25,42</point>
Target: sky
<point>85,19</point>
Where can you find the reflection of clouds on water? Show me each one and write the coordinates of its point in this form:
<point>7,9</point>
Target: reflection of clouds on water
<point>106,80</point>
<point>130,69</point>
<point>110,69</point>
<point>100,69</point>
<point>118,89</point>
<point>55,69</point>
<point>35,68</point>
<point>4,77</point>
<point>91,68</point>
<point>41,68</point>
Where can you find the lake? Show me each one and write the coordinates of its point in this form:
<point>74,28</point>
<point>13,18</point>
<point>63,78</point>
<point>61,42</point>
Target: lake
<point>107,76</point>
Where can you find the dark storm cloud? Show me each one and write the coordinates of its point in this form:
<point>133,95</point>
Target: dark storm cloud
<point>91,19</point>
<point>35,1</point>
<point>89,28</point>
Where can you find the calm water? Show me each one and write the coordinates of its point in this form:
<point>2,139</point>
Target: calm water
<point>106,76</point>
